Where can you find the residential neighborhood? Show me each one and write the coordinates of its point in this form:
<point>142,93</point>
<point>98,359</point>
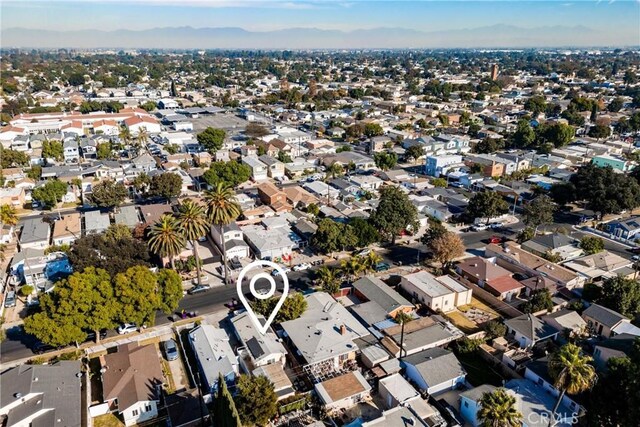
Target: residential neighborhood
<point>459,231</point>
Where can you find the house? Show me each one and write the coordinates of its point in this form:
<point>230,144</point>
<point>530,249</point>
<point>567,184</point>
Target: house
<point>71,150</point>
<point>324,333</point>
<point>272,196</point>
<point>234,240</point>
<point>510,256</point>
<point>35,234</point>
<point>152,213</point>
<point>343,391</point>
<point>256,349</point>
<point>167,104</point>
<point>259,171</point>
<point>298,197</point>
<point>618,163</point>
<point>439,165</point>
<point>138,123</point>
<point>378,143</point>
<point>12,196</point>
<point>7,234</point>
<point>624,229</point>
<point>274,242</point>
<point>528,330</point>
<point>434,370</point>
<point>395,391</point>
<point>214,356</point>
<point>127,215</point>
<point>373,290</point>
<point>426,289</point>
<point>29,265</point>
<point>567,322</point>
<point>470,403</point>
<point>336,132</point>
<point>275,168</point>
<point>601,265</point>
<point>96,222</point>
<point>418,335</point>
<point>463,294</point>
<point>42,395</point>
<point>607,323</point>
<point>67,229</point>
<point>132,381</point>
<point>366,182</point>
<point>617,346</point>
<point>537,371</point>
<point>556,243</point>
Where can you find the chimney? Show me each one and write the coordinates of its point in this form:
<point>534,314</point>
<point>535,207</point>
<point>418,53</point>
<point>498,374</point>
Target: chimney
<point>343,329</point>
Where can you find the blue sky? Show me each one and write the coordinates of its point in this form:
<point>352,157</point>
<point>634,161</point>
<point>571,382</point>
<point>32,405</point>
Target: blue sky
<point>257,15</point>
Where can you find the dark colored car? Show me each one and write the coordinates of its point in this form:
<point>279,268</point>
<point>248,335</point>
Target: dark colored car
<point>40,348</point>
<point>381,266</point>
<point>91,335</point>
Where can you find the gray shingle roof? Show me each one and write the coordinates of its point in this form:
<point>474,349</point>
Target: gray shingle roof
<point>374,289</point>
<point>531,327</point>
<point>603,315</point>
<point>436,365</point>
<point>35,230</point>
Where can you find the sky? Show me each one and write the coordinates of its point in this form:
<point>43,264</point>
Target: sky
<point>264,15</point>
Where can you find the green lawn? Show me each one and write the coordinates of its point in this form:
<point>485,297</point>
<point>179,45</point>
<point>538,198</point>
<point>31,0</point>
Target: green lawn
<point>478,370</point>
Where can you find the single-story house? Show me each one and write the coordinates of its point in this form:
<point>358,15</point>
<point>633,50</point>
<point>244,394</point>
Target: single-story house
<point>96,222</point>
<point>426,289</point>
<point>375,290</point>
<point>528,330</point>
<point>214,355</point>
<point>35,234</point>
<point>434,370</point>
<point>343,392</point>
<point>67,229</point>
<point>607,323</point>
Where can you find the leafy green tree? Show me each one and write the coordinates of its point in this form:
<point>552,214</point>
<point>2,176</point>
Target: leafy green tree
<point>292,308</point>
<point>394,213</point>
<point>137,289</point>
<point>563,193</point>
<point>76,79</point>
<point>332,236</point>
<point>117,232</point>
<point>373,129</point>
<point>313,209</point>
<point>104,151</point>
<point>604,190</point>
<point>540,300</point>
<point>352,267</point>
<point>193,224</point>
<point>558,134</point>
<point>335,169</point>
<point>524,136</point>
<point>225,413</point>
<point>615,105</point>
<point>148,106</point>
<point>403,318</point>
<point>108,194</point>
<point>52,150</point>
<point>230,173</point>
<point>256,400</point>
<point>385,160</point>
<point>621,295</point>
<point>488,146</point>
<point>165,238</point>
<point>114,256</point>
<point>169,290</point>
<point>599,131</point>
<point>414,152</point>
<point>435,230</point>
<point>211,139</point>
<point>167,185</point>
<point>439,182</point>
<point>498,409</point>
<point>50,194</point>
<point>536,104</point>
<point>284,157</point>
<point>571,371</point>
<point>494,329</point>
<point>222,209</point>
<point>35,173</point>
<point>487,204</point>
<point>591,245</point>
<point>538,212</point>
<point>365,232</point>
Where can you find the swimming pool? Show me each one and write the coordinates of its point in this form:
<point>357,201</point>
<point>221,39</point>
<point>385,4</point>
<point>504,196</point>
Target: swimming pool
<point>58,269</point>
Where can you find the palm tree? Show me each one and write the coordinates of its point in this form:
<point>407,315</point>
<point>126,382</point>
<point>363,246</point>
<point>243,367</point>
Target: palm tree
<point>335,169</point>
<point>142,138</point>
<point>125,135</point>
<point>498,409</point>
<point>193,225</point>
<point>352,267</point>
<point>572,372</point>
<point>370,261</point>
<point>222,209</point>
<point>166,239</point>
<point>328,279</point>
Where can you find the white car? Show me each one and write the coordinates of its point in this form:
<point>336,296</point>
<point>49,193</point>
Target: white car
<point>302,267</point>
<point>479,227</point>
<point>127,328</point>
<point>635,258</point>
<point>495,225</point>
<point>276,272</point>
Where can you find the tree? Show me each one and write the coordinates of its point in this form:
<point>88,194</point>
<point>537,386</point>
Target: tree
<point>558,134</point>
<point>365,232</point>
<point>224,408</point>
<point>114,256</point>
<point>524,136</point>
<point>352,267</point>
<point>328,279</point>
<point>8,215</point>
<point>439,182</point>
<point>495,329</point>
<point>538,212</point>
<point>193,225</point>
<point>373,129</point>
<point>76,79</point>
<point>402,318</point>
<point>498,409</point>
<point>12,158</point>
<point>169,290</point>
<point>571,372</point>
<point>488,146</point>
<point>332,236</point>
<point>167,185</point>
<point>563,193</point>
<point>621,295</point>
<point>222,209</point>
<point>599,131</point>
<point>540,300</point>
<point>284,157</point>
<point>385,160</point>
<point>591,245</point>
<point>104,151</point>
<point>50,194</point>
<point>615,105</point>
<point>394,213</point>
<point>256,400</point>
<point>148,106</point>
<point>435,230</point>
<point>256,130</point>
<point>230,173</point>
<point>165,238</point>
<point>447,247</point>
<point>108,194</point>
<point>292,308</point>
<point>117,232</point>
<point>604,190</point>
<point>414,152</point>
<point>211,139</point>
<point>536,104</point>
<point>487,204</point>
<point>52,150</point>
<point>335,169</point>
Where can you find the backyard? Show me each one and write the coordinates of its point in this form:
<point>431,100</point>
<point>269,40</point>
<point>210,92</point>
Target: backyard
<point>479,371</point>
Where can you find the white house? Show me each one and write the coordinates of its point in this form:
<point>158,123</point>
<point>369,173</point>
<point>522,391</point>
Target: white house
<point>214,355</point>
<point>234,241</point>
<point>434,370</point>
<point>259,171</point>
<point>425,288</point>
<point>256,349</point>
<point>71,150</point>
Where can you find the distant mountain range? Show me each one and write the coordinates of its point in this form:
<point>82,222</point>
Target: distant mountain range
<point>495,36</point>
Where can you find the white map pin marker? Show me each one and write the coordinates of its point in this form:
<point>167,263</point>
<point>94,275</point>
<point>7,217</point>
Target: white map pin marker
<point>272,290</point>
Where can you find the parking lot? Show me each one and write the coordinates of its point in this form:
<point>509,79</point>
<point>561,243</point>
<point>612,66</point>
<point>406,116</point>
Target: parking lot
<point>228,122</point>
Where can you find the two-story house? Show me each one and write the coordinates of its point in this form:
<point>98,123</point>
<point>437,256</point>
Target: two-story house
<point>233,238</point>
<point>259,171</point>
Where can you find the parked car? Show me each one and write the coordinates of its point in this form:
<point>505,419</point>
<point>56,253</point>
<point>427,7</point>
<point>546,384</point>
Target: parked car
<point>276,272</point>
<point>40,348</point>
<point>127,328</point>
<point>495,239</point>
<point>302,267</point>
<point>635,258</point>
<point>479,227</point>
<point>91,335</point>
<point>170,349</point>
<point>198,289</point>
<point>10,299</point>
<point>318,262</point>
<point>496,225</point>
<point>381,266</point>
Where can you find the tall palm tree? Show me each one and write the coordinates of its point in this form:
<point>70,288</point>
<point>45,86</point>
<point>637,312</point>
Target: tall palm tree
<point>142,138</point>
<point>222,209</point>
<point>352,267</point>
<point>125,135</point>
<point>328,279</point>
<point>370,261</point>
<point>498,409</point>
<point>193,224</point>
<point>572,372</point>
<point>166,239</point>
<point>335,169</point>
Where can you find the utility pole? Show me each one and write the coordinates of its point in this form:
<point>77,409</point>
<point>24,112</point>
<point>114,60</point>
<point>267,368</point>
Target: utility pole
<point>401,341</point>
